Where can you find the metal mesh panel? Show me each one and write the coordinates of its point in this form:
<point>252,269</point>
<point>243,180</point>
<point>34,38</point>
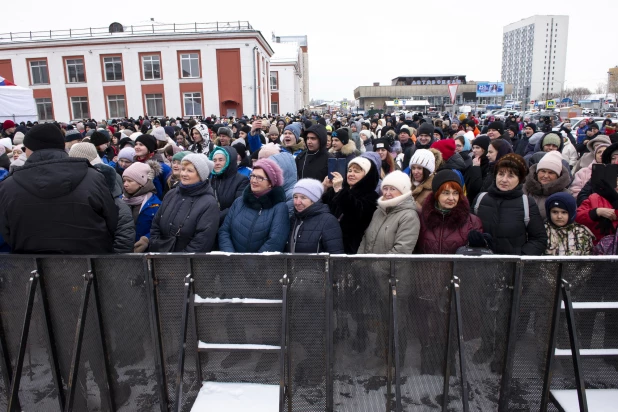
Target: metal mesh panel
<point>169,274</point>
<point>65,292</point>
<point>37,390</point>
<point>360,321</point>
<point>591,281</point>
<point>254,277</point>
<point>307,315</point>
<point>125,307</point>
<point>532,337</point>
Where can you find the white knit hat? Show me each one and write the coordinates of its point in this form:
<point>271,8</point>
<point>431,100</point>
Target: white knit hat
<point>362,162</point>
<point>202,164</point>
<point>399,180</point>
<point>424,158</point>
<point>6,142</point>
<point>85,151</point>
<point>551,161</point>
<point>311,188</point>
<point>159,134</point>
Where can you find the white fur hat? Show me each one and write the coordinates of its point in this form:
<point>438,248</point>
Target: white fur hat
<point>424,158</point>
<point>399,180</point>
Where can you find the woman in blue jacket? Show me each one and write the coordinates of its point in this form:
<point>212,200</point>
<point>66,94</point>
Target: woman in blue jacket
<point>258,221</point>
<point>139,193</point>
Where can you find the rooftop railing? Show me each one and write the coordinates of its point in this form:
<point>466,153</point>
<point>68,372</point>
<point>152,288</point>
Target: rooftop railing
<point>127,31</point>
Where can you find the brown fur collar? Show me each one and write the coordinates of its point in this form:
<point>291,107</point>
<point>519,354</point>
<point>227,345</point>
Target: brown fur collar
<point>455,219</point>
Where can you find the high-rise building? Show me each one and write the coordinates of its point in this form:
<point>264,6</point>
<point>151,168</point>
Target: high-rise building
<point>534,56</point>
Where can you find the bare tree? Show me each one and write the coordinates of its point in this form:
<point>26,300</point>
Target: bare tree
<point>601,88</point>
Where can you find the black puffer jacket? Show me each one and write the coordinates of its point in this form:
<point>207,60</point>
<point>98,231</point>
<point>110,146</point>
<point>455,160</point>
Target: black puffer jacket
<point>354,208</point>
<point>229,185</point>
<point>502,214</point>
<point>57,205</point>
<point>124,238</point>
<point>195,208</point>
<point>315,230</point>
<point>314,165</point>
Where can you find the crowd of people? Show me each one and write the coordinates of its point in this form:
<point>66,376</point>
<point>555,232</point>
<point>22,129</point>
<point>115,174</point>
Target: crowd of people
<point>308,183</point>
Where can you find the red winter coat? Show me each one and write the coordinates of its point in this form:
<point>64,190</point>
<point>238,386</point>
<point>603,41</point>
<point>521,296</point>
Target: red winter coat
<point>583,214</point>
<point>444,234</point>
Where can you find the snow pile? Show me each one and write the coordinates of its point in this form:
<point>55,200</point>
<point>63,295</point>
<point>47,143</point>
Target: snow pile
<point>599,400</point>
<point>237,397</point>
<point>234,346</point>
<point>199,299</point>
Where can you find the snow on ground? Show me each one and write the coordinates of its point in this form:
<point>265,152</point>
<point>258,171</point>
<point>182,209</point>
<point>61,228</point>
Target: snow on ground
<point>204,345</point>
<point>199,299</point>
<point>237,397</point>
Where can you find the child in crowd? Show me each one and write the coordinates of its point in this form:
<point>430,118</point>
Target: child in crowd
<point>565,237</point>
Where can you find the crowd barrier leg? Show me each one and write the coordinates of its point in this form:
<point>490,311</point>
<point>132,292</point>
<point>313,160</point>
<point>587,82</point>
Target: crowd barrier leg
<point>90,286</point>
<point>156,335</point>
<point>14,393</point>
<point>511,337</point>
<point>5,360</point>
<point>330,286</point>
<point>455,316</point>
<point>188,297</point>
<point>393,337</point>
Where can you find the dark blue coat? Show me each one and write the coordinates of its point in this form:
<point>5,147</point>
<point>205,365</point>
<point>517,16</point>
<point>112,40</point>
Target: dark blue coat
<point>146,216</point>
<point>196,210</point>
<point>315,230</point>
<point>256,225</point>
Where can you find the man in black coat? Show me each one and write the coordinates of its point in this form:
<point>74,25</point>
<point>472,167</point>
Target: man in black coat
<point>313,162</point>
<point>55,204</point>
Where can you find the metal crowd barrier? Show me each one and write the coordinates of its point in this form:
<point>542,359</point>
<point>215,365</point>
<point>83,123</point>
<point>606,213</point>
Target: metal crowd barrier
<point>371,333</point>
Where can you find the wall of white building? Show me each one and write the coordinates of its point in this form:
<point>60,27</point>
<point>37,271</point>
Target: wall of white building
<point>132,73</point>
<point>287,87</point>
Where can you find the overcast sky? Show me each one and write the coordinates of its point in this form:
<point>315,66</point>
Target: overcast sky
<point>356,43</point>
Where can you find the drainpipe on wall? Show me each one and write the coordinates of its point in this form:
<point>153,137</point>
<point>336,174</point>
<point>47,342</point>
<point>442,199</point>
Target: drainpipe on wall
<point>255,93</point>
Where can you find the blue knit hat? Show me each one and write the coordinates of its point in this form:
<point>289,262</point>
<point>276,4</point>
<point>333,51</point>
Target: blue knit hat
<point>294,128</point>
<point>564,201</point>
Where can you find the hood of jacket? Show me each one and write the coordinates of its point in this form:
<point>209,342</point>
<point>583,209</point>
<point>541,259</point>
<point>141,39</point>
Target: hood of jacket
<point>599,139</point>
<point>534,187</point>
<point>455,162</point>
<point>110,178</point>
<point>320,132</point>
<point>535,138</point>
<point>232,167</point>
<point>51,173</point>
<point>267,201</point>
<point>456,218</point>
<point>288,167</point>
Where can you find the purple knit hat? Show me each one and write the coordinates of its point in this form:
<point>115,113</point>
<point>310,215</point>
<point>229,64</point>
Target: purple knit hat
<point>272,170</point>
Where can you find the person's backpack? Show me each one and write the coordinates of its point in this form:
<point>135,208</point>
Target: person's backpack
<point>608,245</point>
<point>524,198</point>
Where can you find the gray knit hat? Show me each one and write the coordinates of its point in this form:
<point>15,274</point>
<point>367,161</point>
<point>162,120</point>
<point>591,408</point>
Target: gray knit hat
<point>226,131</point>
<point>85,151</point>
<point>311,188</point>
<point>202,164</point>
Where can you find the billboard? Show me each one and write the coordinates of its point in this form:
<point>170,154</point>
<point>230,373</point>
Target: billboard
<point>490,89</point>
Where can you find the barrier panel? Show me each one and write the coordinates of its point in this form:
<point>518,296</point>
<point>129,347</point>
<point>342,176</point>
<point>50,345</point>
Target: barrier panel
<point>104,332</point>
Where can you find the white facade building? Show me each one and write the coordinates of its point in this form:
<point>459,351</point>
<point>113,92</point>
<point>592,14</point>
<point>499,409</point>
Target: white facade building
<point>159,70</point>
<point>289,74</point>
<point>534,56</point>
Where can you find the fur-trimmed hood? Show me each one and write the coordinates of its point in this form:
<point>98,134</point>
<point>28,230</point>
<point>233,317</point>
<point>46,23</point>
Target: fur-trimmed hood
<point>347,149</point>
<point>533,187</point>
<point>456,218</point>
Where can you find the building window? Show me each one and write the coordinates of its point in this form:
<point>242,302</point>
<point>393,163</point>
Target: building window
<point>154,105</point>
<point>151,67</point>
<point>190,65</point>
<point>274,107</point>
<point>116,106</point>
<point>80,108</point>
<point>193,104</point>
<point>44,108</point>
<point>38,72</point>
<point>274,81</point>
<point>75,71</point>
<point>113,68</point>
